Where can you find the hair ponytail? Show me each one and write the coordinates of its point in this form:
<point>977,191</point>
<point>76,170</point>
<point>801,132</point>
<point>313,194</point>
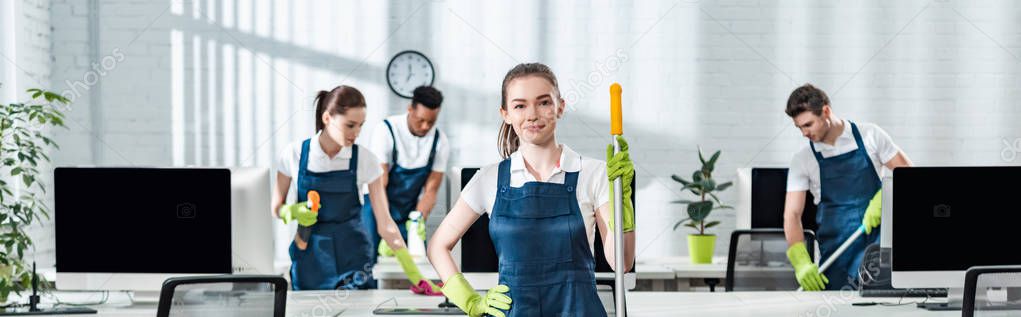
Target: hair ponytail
<point>508,141</point>
<point>318,101</point>
<point>336,101</point>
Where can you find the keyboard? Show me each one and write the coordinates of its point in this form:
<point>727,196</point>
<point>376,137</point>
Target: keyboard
<point>912,292</point>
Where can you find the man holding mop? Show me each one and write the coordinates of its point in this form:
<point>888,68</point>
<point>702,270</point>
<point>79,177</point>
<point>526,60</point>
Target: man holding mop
<point>841,165</point>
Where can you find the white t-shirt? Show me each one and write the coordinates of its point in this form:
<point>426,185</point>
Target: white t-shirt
<point>804,170</point>
<point>318,161</point>
<point>593,186</point>
<point>412,151</point>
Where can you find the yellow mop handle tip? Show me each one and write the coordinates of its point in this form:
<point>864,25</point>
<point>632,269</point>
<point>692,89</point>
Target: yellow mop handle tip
<point>616,116</point>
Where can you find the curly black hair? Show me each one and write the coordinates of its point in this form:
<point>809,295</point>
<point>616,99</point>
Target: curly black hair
<point>427,96</point>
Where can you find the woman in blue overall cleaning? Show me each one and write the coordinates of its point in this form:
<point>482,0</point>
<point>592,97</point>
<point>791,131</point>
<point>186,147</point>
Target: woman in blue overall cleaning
<point>841,165</point>
<point>545,203</point>
<point>331,248</point>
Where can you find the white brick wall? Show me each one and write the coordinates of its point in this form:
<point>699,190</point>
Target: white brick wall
<point>230,82</point>
<point>27,64</point>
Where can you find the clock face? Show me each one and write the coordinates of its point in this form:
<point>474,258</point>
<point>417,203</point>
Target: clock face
<point>408,70</point>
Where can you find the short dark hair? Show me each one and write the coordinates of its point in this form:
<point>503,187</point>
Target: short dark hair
<point>427,96</point>
<point>806,98</point>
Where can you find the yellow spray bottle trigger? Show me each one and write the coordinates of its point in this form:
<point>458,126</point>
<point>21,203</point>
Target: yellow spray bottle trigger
<point>313,201</point>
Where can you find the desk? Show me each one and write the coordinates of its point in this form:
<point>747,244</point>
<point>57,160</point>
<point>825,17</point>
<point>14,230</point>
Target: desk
<point>361,304</point>
<point>687,274</point>
<point>391,276</point>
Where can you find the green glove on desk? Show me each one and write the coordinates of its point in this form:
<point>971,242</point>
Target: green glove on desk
<point>874,213</point>
<point>474,304</point>
<point>806,271</point>
<point>300,212</point>
<point>620,166</point>
<point>420,229</point>
<point>411,271</point>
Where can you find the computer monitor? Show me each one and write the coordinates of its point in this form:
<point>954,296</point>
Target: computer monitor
<point>476,240</point>
<point>251,221</point>
<point>763,194</point>
<point>885,231</point>
<point>483,257</point>
<point>132,228</point>
<point>949,219</point>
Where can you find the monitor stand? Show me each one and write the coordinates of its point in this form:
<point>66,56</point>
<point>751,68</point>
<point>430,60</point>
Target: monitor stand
<point>955,299</point>
<point>445,308</point>
<point>143,298</point>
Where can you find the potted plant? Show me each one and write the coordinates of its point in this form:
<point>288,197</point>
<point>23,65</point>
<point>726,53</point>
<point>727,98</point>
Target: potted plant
<point>701,245</point>
<point>22,195</point>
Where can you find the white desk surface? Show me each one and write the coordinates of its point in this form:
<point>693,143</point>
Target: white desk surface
<point>652,269</point>
<point>682,267</point>
<point>361,303</point>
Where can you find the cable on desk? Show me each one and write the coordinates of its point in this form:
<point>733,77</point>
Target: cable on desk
<point>394,299</point>
<point>900,301</point>
<point>13,305</point>
<point>58,302</point>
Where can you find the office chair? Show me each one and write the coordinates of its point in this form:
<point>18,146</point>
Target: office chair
<point>225,295</point>
<point>757,260</point>
<point>992,291</point>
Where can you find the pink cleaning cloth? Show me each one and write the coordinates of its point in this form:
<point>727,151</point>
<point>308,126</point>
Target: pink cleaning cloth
<point>423,288</point>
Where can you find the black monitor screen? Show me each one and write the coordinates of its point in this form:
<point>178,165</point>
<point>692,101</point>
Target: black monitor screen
<point>769,192</point>
<point>952,218</point>
<point>478,254</point>
<point>142,220</point>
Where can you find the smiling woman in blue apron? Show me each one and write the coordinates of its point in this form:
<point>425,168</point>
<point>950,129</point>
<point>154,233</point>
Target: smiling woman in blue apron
<point>841,165</point>
<point>331,248</point>
<point>545,203</point>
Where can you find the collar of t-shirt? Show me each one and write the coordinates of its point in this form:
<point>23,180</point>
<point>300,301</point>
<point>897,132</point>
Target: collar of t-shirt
<point>844,143</point>
<point>315,151</point>
<point>569,162</point>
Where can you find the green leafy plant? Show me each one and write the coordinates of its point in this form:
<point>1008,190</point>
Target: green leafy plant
<point>23,144</point>
<point>705,187</point>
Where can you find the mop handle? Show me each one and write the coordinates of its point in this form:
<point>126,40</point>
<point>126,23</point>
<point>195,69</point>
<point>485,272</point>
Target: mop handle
<point>617,128</point>
<point>843,247</point>
<point>840,250</point>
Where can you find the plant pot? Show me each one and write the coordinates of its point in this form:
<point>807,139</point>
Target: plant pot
<point>701,247</point>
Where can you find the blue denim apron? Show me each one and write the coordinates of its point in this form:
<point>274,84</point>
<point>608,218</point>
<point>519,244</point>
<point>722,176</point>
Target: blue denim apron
<point>543,248</point>
<point>338,252</point>
<point>848,183</point>
<point>403,187</point>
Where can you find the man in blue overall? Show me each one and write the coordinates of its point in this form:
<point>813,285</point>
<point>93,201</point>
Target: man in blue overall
<point>414,155</point>
<point>841,165</point>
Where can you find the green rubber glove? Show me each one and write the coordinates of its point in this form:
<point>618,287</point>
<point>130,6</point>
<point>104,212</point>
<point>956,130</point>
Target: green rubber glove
<point>806,271</point>
<point>411,270</point>
<point>474,304</point>
<point>420,230</point>
<point>874,213</point>
<point>300,212</point>
<point>384,249</point>
<point>620,166</point>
